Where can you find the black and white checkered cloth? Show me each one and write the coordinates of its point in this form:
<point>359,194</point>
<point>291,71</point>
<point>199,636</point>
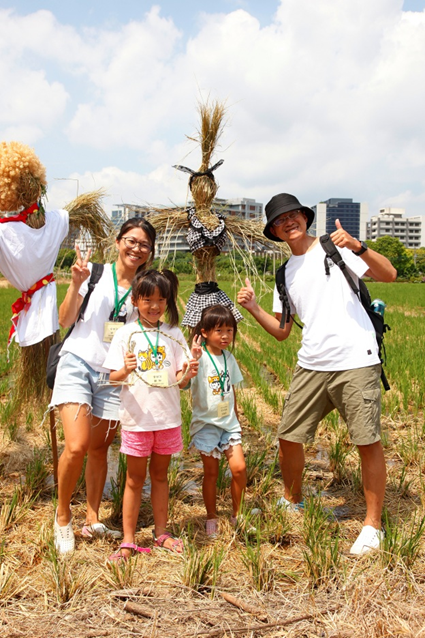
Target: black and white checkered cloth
<point>198,302</point>
<point>198,236</point>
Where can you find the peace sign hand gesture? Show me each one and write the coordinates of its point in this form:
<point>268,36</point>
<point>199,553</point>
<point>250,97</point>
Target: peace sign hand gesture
<point>80,271</point>
<point>196,349</point>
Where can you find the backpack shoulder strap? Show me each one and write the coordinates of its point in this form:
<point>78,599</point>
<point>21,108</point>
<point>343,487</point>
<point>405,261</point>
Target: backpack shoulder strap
<point>96,273</point>
<point>333,253</point>
<point>283,296</point>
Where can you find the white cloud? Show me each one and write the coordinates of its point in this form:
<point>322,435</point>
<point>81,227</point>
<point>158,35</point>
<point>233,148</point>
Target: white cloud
<point>327,100</point>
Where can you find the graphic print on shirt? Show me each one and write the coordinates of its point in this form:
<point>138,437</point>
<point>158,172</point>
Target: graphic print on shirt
<point>214,383</point>
<point>147,360</point>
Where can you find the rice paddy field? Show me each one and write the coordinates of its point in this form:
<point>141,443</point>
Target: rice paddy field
<point>279,573</point>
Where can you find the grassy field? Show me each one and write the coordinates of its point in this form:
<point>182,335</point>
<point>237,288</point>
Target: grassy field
<point>292,576</point>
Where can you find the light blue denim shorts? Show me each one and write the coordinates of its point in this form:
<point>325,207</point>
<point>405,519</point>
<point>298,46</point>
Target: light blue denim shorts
<point>213,440</point>
<point>77,382</point>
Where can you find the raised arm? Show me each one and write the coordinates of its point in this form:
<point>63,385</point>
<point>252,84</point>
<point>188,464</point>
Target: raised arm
<point>246,298</point>
<point>70,307</point>
<point>379,267</point>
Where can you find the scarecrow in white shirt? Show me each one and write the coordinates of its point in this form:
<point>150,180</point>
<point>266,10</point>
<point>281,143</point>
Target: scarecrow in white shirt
<point>30,238</point>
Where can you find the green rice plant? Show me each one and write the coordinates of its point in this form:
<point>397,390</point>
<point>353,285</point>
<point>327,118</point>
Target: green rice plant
<point>400,483</point>
<point>117,488</point>
<point>29,422</point>
<point>36,473</point>
<point>338,452</point>
<point>264,485</point>
<point>411,446</point>
<point>14,509</point>
<point>122,574</point>
<point>185,402</point>
<point>321,537</point>
<point>67,583</point>
<point>256,559</point>
<point>254,461</point>
<point>402,541</point>
<point>249,406</point>
<point>201,567</point>
<point>8,411</point>
<point>353,476</point>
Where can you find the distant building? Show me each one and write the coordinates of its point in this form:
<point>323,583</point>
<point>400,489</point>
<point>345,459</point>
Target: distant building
<point>390,221</point>
<point>243,207</point>
<point>352,215</point>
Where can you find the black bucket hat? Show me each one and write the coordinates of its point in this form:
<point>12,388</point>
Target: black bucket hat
<point>283,203</point>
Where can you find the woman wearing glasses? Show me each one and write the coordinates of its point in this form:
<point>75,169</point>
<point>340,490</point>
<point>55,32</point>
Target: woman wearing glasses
<point>88,409</point>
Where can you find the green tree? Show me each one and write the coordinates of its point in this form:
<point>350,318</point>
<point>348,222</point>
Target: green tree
<point>396,252</point>
<point>418,256</point>
<point>65,259</point>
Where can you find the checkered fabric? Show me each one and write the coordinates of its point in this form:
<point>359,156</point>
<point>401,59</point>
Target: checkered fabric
<point>198,236</point>
<point>197,303</point>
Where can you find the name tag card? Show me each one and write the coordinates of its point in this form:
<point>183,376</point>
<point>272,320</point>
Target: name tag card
<point>109,329</point>
<point>223,409</point>
<point>158,378</point>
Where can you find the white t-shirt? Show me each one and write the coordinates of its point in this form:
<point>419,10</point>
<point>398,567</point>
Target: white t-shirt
<point>86,340</point>
<point>337,333</point>
<point>144,408</point>
<point>26,255</point>
<point>206,393</point>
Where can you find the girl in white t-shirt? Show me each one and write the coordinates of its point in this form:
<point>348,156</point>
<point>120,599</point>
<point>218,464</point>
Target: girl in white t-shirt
<point>215,428</point>
<point>155,354</point>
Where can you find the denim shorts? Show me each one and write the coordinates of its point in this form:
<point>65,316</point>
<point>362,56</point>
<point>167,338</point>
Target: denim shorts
<point>77,382</point>
<point>213,440</point>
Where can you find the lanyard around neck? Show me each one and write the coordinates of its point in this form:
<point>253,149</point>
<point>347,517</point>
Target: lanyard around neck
<point>118,302</point>
<point>221,380</point>
<point>154,349</point>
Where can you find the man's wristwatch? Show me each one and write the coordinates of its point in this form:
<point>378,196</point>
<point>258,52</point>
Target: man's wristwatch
<point>363,248</point>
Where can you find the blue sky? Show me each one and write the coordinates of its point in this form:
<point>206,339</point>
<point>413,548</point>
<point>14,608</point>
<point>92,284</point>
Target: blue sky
<point>325,99</point>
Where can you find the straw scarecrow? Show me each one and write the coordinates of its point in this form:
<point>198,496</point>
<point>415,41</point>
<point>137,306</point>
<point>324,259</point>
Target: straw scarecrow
<point>30,238</point>
<point>208,228</point>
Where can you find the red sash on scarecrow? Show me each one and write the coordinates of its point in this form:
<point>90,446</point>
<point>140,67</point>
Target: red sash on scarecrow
<point>22,216</point>
<point>24,301</point>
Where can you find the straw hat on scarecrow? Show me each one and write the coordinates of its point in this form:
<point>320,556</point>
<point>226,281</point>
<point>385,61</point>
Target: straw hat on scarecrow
<point>30,238</point>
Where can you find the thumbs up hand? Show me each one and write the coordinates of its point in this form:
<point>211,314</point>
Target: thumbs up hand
<point>246,296</point>
<point>342,239</point>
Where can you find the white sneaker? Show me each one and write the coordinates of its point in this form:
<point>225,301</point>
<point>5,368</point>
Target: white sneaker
<point>63,537</point>
<point>368,539</point>
<point>99,529</point>
<point>283,503</point>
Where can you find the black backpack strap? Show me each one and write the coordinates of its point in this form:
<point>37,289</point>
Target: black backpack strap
<point>362,293</point>
<point>96,273</point>
<point>283,296</point>
<point>332,252</point>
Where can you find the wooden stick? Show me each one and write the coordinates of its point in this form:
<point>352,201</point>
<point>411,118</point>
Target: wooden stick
<point>241,605</point>
<point>140,610</point>
<point>264,627</point>
<point>54,442</point>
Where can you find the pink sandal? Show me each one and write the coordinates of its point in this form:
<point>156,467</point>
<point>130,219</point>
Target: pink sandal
<point>118,556</point>
<point>177,544</point>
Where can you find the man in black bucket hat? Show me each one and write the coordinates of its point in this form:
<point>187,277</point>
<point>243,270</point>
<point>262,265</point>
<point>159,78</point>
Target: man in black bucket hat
<point>338,362</point>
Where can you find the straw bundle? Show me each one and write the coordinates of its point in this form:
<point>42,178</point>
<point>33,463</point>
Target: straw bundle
<point>87,215</point>
<point>22,177</point>
<point>203,187</point>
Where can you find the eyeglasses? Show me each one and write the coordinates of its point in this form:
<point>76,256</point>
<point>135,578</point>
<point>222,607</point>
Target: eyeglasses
<point>130,242</point>
<point>284,218</point>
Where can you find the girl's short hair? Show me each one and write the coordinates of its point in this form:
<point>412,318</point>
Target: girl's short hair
<point>215,317</point>
<point>145,282</point>
<point>143,224</point>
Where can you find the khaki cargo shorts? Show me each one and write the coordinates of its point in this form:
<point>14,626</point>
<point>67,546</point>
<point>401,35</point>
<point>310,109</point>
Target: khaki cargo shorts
<point>356,394</point>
